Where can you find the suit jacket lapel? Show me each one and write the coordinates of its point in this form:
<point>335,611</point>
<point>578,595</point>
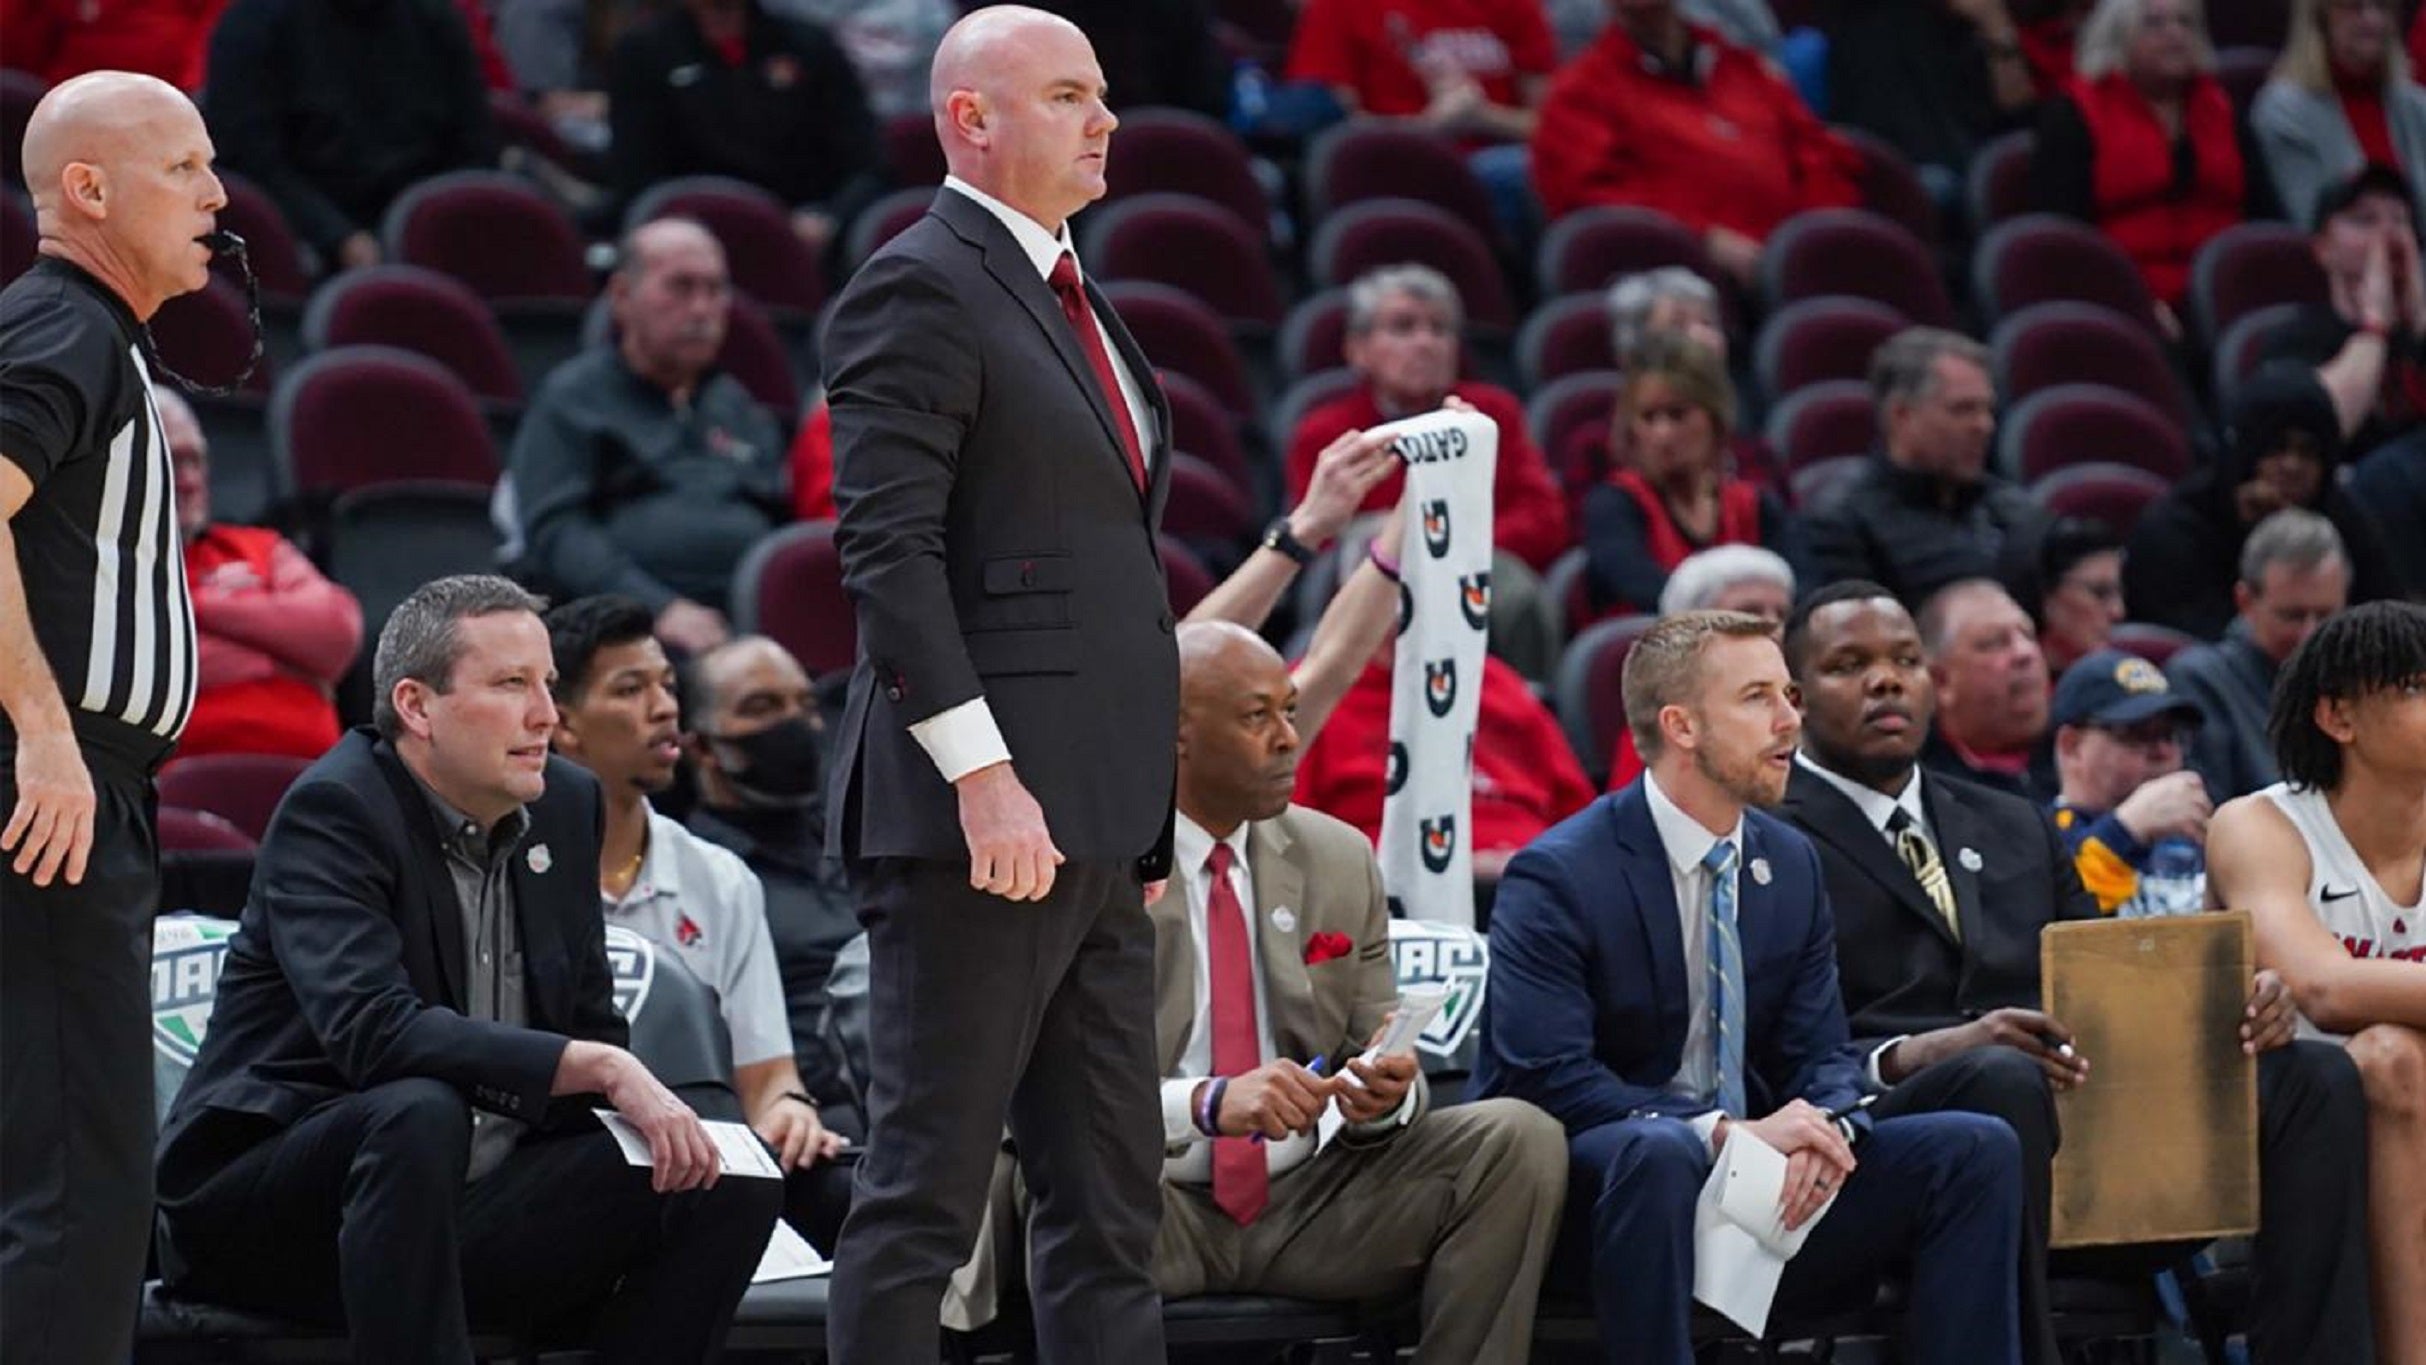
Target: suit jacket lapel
<point>1011,268</point>
<point>1280,883</point>
<point>427,861</point>
<point>1957,833</point>
<point>1834,819</point>
<point>1151,444</point>
<point>1654,899</point>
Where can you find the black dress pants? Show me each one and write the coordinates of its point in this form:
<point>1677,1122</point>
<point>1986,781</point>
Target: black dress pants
<point>2310,1266</point>
<point>76,1114</point>
<point>358,1215</point>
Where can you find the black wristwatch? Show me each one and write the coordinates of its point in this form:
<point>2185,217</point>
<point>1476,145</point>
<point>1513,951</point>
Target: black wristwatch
<point>801,1096</point>
<point>1277,537</point>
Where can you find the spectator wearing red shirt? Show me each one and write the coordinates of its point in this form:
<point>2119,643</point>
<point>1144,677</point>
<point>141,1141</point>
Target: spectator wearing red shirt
<point>1669,493</point>
<point>273,636</point>
<point>1403,327</point>
<point>57,39</point>
<point>1526,779</point>
<point>1476,68</point>
<point>1661,114</point>
<point>2145,145</point>
<point>2341,99</point>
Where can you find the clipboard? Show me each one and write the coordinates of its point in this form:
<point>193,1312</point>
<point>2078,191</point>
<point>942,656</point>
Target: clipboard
<point>2162,1143</point>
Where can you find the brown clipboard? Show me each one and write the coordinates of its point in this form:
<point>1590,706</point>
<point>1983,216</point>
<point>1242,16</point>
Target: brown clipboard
<point>2161,1144</point>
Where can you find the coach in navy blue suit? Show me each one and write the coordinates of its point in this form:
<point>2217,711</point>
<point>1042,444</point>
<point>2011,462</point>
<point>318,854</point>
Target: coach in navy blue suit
<point>1663,969</point>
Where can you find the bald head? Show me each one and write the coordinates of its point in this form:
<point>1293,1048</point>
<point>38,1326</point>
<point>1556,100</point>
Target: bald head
<point>1212,654</point>
<point>120,169</point>
<point>1019,109</point>
<point>1237,727</point>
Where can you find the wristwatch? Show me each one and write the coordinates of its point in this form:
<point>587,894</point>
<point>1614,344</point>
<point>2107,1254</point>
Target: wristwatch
<point>799,1095</point>
<point>1277,537</point>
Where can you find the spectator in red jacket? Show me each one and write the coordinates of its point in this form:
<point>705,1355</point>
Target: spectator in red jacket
<point>1473,68</point>
<point>273,635</point>
<point>1661,114</point>
<point>1403,327</point>
<point>1669,492</point>
<point>57,39</point>
<point>2144,143</point>
<point>1526,779</point>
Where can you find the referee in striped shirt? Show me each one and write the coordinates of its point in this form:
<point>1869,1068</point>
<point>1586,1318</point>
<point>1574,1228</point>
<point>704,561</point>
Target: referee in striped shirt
<point>96,679</point>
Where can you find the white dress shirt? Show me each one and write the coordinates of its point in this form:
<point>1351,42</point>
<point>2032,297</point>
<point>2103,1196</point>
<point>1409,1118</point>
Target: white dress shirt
<point>961,739</point>
<point>1878,808</point>
<point>1687,842</point>
<point>1191,846</point>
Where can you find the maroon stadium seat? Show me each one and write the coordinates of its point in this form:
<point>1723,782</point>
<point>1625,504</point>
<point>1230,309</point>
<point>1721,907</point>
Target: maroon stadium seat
<point>1178,331</point>
<point>1820,339</point>
<point>1189,579</point>
<point>881,222</point>
<point>1996,186</point>
<point>911,150</point>
<point>1202,427</point>
<point>1557,408</point>
<point>2115,494</point>
<point>199,831</point>
<point>492,231</point>
<point>20,91</point>
<point>1190,244</point>
<point>1562,337</point>
<point>1823,421</point>
<point>1585,693</point>
<point>2074,424</point>
<point>269,243</point>
<point>17,235</point>
<point>206,336</point>
<point>242,789</point>
<point>2039,256</point>
<point>2248,266</point>
<point>357,416</point>
<point>2055,343</point>
<point>1380,232</point>
<point>1593,247</point>
<point>1857,252</point>
<point>1179,151</point>
<point>789,588</point>
<point>1888,186</point>
<point>416,310</point>
<point>767,259</point>
<point>2243,345</point>
<point>1363,159</point>
<point>1205,506</point>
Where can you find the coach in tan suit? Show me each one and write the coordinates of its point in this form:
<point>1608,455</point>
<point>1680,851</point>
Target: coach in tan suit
<point>1272,950</point>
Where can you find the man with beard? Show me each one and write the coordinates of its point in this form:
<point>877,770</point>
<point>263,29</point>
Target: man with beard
<point>1940,888</point>
<point>618,718</point>
<point>1663,971</point>
<point>754,736</point>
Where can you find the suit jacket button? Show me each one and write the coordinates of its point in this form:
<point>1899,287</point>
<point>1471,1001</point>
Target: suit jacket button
<point>892,692</point>
<point>1163,622</point>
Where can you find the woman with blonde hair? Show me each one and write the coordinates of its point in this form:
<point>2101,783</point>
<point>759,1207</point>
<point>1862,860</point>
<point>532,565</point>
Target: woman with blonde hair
<point>2341,99</point>
<point>1670,491</point>
<point>2144,144</point>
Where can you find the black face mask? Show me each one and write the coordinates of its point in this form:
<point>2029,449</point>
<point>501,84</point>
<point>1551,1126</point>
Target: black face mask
<point>779,765</point>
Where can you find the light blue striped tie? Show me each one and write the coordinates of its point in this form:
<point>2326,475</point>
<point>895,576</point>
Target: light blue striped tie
<point>1726,978</point>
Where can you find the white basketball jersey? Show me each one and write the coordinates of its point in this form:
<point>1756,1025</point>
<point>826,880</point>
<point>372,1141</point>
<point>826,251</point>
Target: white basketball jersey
<point>2344,895</point>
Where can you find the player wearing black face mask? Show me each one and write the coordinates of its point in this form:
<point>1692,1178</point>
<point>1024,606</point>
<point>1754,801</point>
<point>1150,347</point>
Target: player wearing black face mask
<point>779,766</point>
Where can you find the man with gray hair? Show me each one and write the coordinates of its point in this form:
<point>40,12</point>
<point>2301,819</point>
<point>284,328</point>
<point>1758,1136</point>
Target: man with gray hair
<point>1668,299</point>
<point>390,1125</point>
<point>1927,511</point>
<point>641,469</point>
<point>2294,574</point>
<point>1746,578</point>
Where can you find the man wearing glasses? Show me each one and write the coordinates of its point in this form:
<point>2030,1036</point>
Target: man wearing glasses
<point>2135,818</point>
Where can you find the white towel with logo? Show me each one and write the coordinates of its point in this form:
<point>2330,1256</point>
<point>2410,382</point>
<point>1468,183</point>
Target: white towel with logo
<point>1444,617</point>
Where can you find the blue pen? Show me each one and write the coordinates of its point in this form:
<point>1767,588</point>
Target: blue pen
<point>1314,1067</point>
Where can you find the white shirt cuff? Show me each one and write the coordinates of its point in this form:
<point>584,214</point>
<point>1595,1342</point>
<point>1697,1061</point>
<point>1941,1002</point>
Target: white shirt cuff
<point>1878,1083</point>
<point>962,739</point>
<point>1705,1127</point>
<point>1179,1111</point>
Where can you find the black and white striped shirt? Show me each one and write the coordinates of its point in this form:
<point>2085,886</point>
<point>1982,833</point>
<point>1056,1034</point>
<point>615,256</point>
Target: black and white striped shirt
<point>97,544</point>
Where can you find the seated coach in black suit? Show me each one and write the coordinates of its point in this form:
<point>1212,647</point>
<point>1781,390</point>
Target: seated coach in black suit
<point>1941,887</point>
<point>389,1123</point>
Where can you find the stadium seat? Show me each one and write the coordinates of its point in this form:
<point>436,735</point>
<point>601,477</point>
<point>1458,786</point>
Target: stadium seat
<point>911,151</point>
<point>20,91</point>
<point>1591,248</point>
<point>417,310</point>
<point>2157,644</point>
<point>2115,494</point>
<point>1557,408</point>
<point>1857,252</point>
<point>1585,693</point>
<point>1820,339</point>
<point>269,244</point>
<point>1379,232</point>
<point>523,132</point>
<point>1996,185</point>
<point>1312,335</point>
<point>2246,267</point>
<point>1178,331</point>
<point>1818,486</point>
<point>2037,257</point>
<point>2243,345</point>
<point>18,234</point>
<point>1302,397</point>
<point>789,588</point>
<point>242,789</point>
<point>881,222</point>
<point>356,416</point>
<point>206,336</point>
<point>385,541</point>
<point>2075,424</point>
<point>1564,336</point>
<point>1189,579</point>
<point>512,245</point>
<point>1205,507</point>
<point>1823,421</point>
<point>1202,427</point>
<point>185,830</point>
<point>1362,159</point>
<point>767,259</point>
<point>2061,342</point>
<point>1888,186</point>
<point>1189,244</point>
<point>1180,151</point>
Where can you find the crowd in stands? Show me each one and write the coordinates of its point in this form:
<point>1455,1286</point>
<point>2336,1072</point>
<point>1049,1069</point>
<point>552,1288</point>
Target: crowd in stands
<point>1747,289</point>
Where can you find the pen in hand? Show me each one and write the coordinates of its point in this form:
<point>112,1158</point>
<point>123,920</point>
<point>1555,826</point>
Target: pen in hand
<point>1313,1068</point>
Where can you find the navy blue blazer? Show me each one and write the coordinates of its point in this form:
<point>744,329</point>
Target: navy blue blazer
<point>1585,1015</point>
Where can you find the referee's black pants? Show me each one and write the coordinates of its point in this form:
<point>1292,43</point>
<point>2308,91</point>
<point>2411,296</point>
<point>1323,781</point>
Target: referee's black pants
<point>76,1113</point>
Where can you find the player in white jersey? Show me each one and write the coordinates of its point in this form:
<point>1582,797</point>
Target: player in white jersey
<point>2332,865</point>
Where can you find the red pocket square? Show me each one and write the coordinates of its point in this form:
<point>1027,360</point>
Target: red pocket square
<point>1321,948</point>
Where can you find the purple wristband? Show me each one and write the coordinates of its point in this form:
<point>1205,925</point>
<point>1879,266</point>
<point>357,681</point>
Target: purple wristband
<point>1208,1111</point>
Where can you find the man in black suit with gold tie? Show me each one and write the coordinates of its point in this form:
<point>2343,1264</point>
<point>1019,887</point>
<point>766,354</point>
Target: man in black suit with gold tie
<point>1003,771</point>
<point>1941,888</point>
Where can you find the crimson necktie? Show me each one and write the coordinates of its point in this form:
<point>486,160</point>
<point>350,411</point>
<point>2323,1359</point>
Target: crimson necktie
<point>1081,316</point>
<point>1241,1182</point>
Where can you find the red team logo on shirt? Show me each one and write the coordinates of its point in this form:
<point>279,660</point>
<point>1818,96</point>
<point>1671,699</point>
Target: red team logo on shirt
<point>687,932</point>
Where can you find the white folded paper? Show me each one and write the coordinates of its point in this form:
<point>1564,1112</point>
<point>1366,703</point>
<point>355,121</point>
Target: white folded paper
<point>1740,1241</point>
<point>789,1257</point>
<point>738,1150</point>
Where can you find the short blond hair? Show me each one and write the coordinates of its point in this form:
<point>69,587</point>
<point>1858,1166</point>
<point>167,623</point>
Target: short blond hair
<point>1664,668</point>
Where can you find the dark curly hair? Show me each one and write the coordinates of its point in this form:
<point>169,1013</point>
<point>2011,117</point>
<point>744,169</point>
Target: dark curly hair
<point>2357,652</point>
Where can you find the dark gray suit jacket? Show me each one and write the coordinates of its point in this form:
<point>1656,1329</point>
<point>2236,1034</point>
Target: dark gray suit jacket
<point>995,544</point>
